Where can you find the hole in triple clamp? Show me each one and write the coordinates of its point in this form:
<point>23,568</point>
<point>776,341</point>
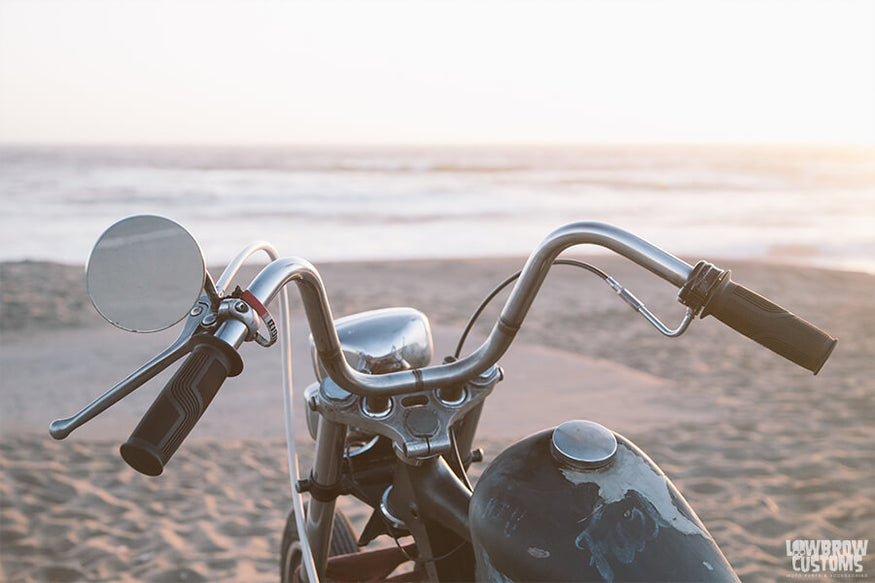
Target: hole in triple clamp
<point>414,400</point>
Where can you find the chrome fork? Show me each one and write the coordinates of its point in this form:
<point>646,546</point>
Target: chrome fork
<point>325,476</point>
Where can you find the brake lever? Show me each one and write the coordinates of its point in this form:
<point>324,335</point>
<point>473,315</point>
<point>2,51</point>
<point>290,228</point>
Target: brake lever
<point>199,315</point>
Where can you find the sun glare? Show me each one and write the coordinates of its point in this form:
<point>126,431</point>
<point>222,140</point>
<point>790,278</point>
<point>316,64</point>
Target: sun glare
<point>244,72</point>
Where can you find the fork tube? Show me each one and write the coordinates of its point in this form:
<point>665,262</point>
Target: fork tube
<point>465,430</point>
<point>327,467</point>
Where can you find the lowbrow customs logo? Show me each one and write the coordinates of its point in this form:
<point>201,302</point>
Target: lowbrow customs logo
<point>828,557</point>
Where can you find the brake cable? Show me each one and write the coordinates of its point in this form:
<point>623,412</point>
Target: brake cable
<point>621,291</point>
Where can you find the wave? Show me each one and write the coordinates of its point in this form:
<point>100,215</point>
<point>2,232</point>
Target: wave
<point>786,161</point>
<point>451,201</point>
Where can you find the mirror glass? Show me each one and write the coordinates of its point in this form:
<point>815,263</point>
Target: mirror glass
<point>145,273</point>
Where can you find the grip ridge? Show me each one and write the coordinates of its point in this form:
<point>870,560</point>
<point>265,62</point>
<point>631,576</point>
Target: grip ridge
<point>757,300</point>
<point>187,404</point>
<point>184,398</point>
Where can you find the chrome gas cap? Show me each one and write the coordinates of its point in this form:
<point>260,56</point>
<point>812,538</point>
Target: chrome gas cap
<point>583,445</point>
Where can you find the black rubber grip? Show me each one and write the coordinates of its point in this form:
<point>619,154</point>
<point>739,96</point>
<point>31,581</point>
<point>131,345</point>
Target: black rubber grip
<point>180,405</point>
<point>769,324</point>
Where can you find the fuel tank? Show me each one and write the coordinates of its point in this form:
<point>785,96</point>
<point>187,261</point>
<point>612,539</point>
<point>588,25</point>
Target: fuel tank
<point>581,503</point>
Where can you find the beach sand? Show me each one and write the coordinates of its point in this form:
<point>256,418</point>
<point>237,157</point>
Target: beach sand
<point>763,450</point>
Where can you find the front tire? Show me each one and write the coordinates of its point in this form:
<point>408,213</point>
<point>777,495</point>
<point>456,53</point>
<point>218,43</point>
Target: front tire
<point>343,542</point>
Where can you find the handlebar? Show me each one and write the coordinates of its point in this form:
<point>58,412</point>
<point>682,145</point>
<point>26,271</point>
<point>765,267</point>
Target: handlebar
<point>786,334</point>
<point>318,312</point>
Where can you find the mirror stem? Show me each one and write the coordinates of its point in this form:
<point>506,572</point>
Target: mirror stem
<point>211,291</point>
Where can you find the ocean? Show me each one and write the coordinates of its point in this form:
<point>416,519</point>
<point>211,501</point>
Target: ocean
<point>804,205</point>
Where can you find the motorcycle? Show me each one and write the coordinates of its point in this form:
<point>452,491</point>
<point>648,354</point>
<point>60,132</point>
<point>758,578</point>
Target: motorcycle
<point>573,502</point>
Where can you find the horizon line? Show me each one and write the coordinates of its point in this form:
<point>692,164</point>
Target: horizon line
<point>434,144</point>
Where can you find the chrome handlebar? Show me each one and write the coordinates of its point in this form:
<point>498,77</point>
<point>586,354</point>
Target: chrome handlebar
<point>318,312</point>
<point>281,271</point>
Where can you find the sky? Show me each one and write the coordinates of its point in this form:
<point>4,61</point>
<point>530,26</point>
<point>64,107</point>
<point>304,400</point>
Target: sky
<point>476,71</point>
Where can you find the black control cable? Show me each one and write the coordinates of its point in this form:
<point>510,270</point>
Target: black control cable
<point>510,280</point>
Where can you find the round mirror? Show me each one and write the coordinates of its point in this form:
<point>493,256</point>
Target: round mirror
<point>145,273</point>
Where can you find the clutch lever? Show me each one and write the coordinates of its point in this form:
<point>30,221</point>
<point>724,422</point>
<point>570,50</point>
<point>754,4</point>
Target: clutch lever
<point>200,315</point>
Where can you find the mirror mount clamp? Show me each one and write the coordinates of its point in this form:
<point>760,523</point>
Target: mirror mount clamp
<point>245,307</point>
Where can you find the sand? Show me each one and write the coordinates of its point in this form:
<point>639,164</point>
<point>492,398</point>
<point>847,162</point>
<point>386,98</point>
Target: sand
<point>763,450</point>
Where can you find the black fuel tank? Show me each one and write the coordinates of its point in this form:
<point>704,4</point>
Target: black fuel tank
<point>580,503</point>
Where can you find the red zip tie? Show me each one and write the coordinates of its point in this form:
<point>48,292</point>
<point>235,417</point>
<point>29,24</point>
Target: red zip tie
<point>265,316</point>
<point>253,301</point>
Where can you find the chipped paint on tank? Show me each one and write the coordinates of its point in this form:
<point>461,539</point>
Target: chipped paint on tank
<point>630,472</point>
<point>538,553</point>
<point>618,531</point>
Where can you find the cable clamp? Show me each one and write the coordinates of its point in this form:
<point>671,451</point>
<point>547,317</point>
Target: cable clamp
<point>260,309</point>
<point>245,307</point>
<point>319,491</point>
